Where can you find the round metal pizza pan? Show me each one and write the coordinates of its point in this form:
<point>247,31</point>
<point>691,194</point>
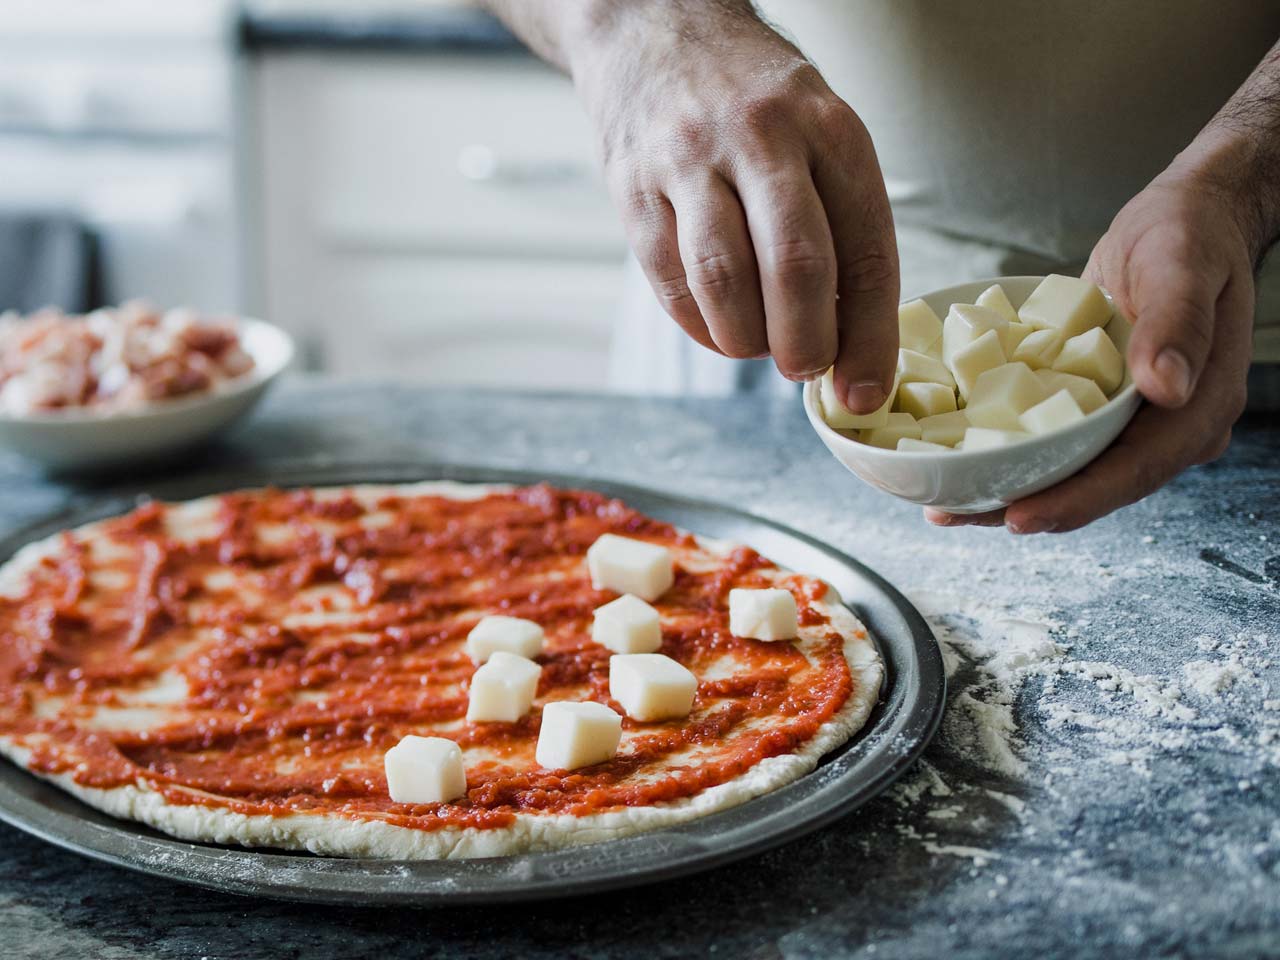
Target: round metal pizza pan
<point>898,730</point>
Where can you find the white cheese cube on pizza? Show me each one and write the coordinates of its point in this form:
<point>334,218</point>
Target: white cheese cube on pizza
<point>1038,349</point>
<point>994,298</point>
<point>918,326</point>
<point>975,359</point>
<point>982,438</point>
<point>630,566</point>
<point>920,368</point>
<point>1001,394</point>
<point>837,415</point>
<point>650,686</point>
<point>925,399</point>
<point>907,445</point>
<point>944,428</point>
<point>524,638</point>
<point>577,735</point>
<point>502,689</point>
<point>1092,355</point>
<point>425,770</point>
<point>1054,413</point>
<point>1085,392</point>
<point>1070,305</point>
<point>965,323</point>
<point>900,425</point>
<point>627,625</point>
<point>763,614</point>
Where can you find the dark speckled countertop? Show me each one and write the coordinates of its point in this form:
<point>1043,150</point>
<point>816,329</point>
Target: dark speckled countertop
<point>1105,782</point>
<point>437,27</point>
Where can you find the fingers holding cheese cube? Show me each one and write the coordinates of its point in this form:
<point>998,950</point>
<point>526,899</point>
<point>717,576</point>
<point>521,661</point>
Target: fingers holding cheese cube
<point>502,689</point>
<point>425,770</point>
<point>627,625</point>
<point>524,638</point>
<point>630,566</point>
<point>1092,355</point>
<point>763,614</point>
<point>575,735</point>
<point>840,417</point>
<point>651,687</point>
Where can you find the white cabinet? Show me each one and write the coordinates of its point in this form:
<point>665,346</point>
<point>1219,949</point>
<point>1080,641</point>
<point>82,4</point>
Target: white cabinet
<point>433,217</point>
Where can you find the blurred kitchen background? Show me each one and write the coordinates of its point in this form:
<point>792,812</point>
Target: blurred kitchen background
<point>399,184</point>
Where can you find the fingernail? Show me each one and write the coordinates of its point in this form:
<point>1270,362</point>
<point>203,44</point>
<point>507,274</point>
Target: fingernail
<point>1172,367</point>
<point>1031,525</point>
<point>866,396</point>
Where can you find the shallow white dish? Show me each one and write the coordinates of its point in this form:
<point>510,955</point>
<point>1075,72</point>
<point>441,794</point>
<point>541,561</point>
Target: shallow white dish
<point>960,481</point>
<point>77,439</point>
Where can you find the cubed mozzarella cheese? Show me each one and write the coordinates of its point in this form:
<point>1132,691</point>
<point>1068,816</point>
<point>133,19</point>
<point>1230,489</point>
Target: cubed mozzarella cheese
<point>907,445</point>
<point>944,428</point>
<point>577,735</point>
<point>970,362</point>
<point>1011,337</point>
<point>627,625</point>
<point>1054,413</point>
<point>502,689</point>
<point>994,298</point>
<point>920,368</point>
<point>1086,393</point>
<point>1092,355</point>
<point>650,686</point>
<point>918,326</point>
<point>1038,349</point>
<point>925,399</point>
<point>764,614</point>
<point>524,638</point>
<point>1001,394</point>
<point>1070,305</point>
<point>838,416</point>
<point>425,770</point>
<point>630,566</point>
<point>965,323</point>
<point>982,438</point>
<point>900,425</point>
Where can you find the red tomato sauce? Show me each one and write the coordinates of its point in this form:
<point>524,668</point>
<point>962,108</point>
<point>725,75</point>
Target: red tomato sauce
<point>308,634</point>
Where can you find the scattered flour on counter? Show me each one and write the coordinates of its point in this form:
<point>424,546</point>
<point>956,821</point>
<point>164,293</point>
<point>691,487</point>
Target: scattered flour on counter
<point>1209,679</point>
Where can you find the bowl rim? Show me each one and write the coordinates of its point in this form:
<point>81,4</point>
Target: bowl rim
<point>810,400</point>
<point>267,365</point>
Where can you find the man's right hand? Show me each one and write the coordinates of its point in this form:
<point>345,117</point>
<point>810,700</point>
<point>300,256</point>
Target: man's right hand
<point>750,192</point>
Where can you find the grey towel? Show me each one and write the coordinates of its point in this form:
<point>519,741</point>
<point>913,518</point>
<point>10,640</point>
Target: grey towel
<point>47,261</point>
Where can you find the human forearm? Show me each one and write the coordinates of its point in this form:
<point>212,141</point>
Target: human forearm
<point>1237,155</point>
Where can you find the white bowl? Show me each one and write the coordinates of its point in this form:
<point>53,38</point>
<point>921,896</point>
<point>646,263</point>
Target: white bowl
<point>79,439</point>
<point>960,481</point>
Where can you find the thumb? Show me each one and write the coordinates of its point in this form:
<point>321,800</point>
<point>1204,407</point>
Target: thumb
<point>1174,306</point>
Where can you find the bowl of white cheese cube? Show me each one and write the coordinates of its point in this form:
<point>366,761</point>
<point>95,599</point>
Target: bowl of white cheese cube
<point>1004,387</point>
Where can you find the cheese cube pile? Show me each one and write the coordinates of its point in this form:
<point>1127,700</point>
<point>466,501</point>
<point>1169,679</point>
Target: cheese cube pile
<point>425,770</point>
<point>766,614</point>
<point>627,625</point>
<point>630,566</point>
<point>524,638</point>
<point>651,687</point>
<point>990,373</point>
<point>576,735</point>
<point>502,689</point>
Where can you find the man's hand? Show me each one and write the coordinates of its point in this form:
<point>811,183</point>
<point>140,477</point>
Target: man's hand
<point>1177,261</point>
<point>750,192</point>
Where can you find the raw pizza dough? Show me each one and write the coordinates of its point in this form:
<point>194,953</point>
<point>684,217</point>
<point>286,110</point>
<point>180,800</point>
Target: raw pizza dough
<point>162,698</point>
